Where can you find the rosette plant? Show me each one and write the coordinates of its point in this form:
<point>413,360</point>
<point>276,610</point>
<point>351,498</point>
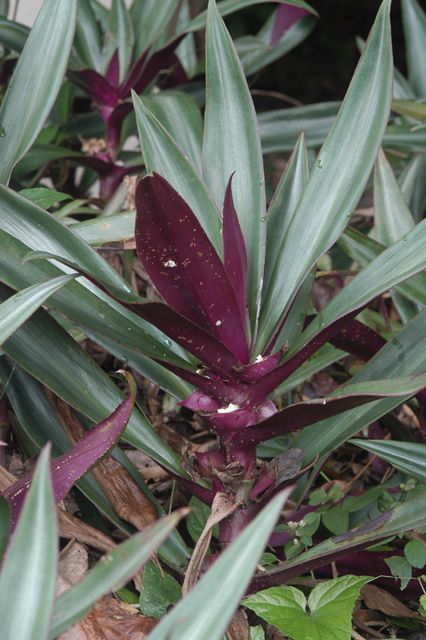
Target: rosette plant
<point>236,327</point>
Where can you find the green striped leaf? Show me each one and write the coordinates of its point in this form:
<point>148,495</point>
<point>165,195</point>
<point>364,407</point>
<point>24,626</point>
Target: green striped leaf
<point>409,457</point>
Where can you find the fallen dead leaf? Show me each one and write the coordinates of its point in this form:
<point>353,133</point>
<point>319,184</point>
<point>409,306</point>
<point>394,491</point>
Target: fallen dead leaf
<point>73,562</point>
<point>111,619</point>
<point>380,600</point>
<point>239,627</point>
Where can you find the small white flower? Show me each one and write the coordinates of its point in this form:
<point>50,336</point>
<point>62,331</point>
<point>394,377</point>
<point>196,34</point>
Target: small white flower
<point>170,263</point>
<point>229,409</point>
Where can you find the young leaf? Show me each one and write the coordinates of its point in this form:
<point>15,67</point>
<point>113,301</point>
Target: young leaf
<point>18,308</point>
<point>111,571</point>
<point>330,606</point>
<point>28,573</point>
<point>230,133</point>
<point>69,467</point>
<point>339,176</point>
<point>36,81</point>
<point>190,618</point>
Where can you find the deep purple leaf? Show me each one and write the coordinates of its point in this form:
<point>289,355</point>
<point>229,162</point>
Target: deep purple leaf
<point>144,72</point>
<point>234,251</point>
<point>357,339</point>
<point>97,87</point>
<point>69,467</point>
<point>114,123</point>
<point>261,367</point>
<point>287,15</point>
<point>112,74</point>
<point>196,340</point>
<point>183,265</point>
<point>272,380</point>
<point>300,415</point>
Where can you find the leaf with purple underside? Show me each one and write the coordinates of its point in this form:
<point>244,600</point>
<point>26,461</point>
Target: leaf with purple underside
<point>199,342</point>
<point>286,16</point>
<point>97,87</point>
<point>183,265</point>
<point>112,73</point>
<point>406,516</point>
<point>357,339</point>
<point>300,415</point>
<point>69,467</point>
<point>234,252</point>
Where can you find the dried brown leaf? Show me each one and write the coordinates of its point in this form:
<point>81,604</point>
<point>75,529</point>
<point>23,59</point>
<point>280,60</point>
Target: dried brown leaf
<point>111,619</point>
<point>380,600</point>
<point>222,507</point>
<point>73,562</point>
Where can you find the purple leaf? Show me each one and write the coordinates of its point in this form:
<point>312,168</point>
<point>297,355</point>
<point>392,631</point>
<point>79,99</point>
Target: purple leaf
<point>300,415</point>
<point>143,73</point>
<point>234,250</point>
<point>357,339</point>
<point>192,337</point>
<point>97,87</point>
<point>183,265</point>
<point>260,368</point>
<point>272,380</point>
<point>114,123</point>
<point>69,467</point>
<point>287,15</point>
<point>112,74</point>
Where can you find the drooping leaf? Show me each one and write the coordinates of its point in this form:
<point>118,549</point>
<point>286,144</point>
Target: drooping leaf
<point>149,19</point>
<point>121,32</point>
<point>190,617</point>
<point>19,307</point>
<point>364,250</point>
<point>410,108</point>
<point>43,197</point>
<point>406,516</point>
<point>36,81</point>
<point>71,373</point>
<point>69,467</point>
<point>28,573</point>
<point>112,571</point>
<point>13,34</point>
<point>299,415</point>
<point>329,615</point>
<point>230,133</point>
<point>183,264</point>
<point>409,457</point>
<point>87,42</point>
<point>403,356</point>
<point>339,176</point>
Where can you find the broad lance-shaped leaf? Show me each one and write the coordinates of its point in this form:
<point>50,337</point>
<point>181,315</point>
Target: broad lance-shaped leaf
<point>71,373</point>
<point>339,176</point>
<point>399,262</point>
<point>114,569</point>
<point>40,231</point>
<point>36,81</point>
<point>406,516</point>
<point>226,7</point>
<point>364,250</point>
<point>28,572</point>
<point>69,467</point>
<point>286,16</point>
<point>392,217</point>
<point>234,252</point>
<point>409,457</point>
<point>183,264</point>
<point>22,305</point>
<point>414,23</point>
<point>297,416</point>
<point>162,154</point>
<point>404,355</point>
<point>231,144</point>
<point>13,34</point>
<point>190,618</point>
<point>199,342</point>
<point>283,205</point>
